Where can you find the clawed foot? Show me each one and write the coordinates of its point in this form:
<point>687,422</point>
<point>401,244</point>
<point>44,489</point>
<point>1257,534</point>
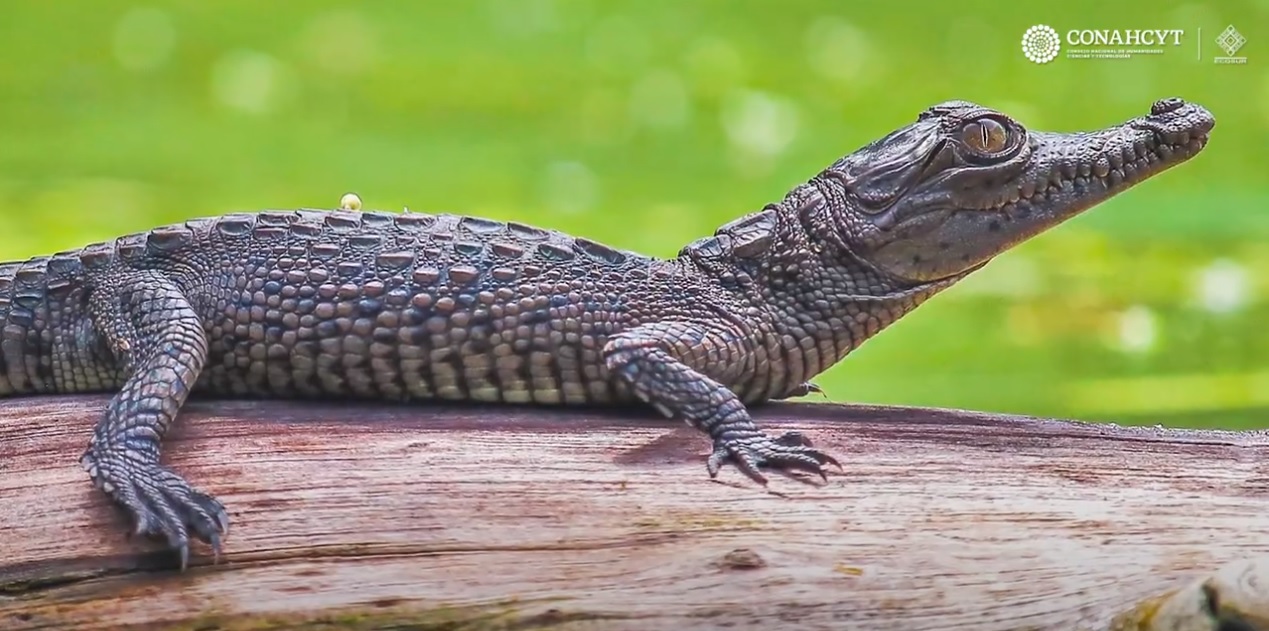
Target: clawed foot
<point>160,503</point>
<point>788,452</point>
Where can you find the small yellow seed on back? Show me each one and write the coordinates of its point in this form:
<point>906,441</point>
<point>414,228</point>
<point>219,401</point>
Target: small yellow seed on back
<point>350,201</point>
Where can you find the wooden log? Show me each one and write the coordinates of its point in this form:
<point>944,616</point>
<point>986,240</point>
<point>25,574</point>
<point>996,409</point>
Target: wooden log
<point>368,516</point>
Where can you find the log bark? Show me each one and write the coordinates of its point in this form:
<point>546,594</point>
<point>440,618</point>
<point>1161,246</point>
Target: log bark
<point>376,516</point>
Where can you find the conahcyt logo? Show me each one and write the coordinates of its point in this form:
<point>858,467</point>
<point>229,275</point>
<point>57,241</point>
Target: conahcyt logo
<point>1041,43</point>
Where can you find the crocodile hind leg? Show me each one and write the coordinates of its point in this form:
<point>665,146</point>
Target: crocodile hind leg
<point>662,364</point>
<point>151,327</point>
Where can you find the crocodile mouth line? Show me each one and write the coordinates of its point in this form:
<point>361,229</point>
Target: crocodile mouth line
<point>1130,163</point>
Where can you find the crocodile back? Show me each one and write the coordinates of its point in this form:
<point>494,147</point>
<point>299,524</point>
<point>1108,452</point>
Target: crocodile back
<point>398,306</point>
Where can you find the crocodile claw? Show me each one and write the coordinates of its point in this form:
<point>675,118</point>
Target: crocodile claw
<point>791,451</point>
<point>161,504</point>
<point>801,390</point>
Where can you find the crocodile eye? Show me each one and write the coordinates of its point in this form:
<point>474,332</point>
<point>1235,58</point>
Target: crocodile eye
<point>985,136</point>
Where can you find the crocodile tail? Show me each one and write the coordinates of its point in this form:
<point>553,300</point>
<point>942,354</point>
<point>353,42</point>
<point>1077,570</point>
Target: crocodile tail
<point>40,321</point>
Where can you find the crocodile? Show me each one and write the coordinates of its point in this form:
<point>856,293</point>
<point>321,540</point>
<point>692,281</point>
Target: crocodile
<point>413,307</point>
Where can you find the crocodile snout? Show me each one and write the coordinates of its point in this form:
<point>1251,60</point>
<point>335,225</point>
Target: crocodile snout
<point>1174,114</point>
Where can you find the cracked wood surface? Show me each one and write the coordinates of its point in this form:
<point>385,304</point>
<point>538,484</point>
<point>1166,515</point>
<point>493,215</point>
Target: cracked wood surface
<point>375,515</point>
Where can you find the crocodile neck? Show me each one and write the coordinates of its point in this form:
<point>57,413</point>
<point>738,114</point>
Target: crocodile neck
<point>818,301</point>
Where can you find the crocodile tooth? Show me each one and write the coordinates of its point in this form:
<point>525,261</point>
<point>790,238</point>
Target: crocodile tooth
<point>1165,152</point>
<point>1101,166</point>
<point>1141,147</point>
<point>1028,189</point>
<point>1085,169</point>
<point>1116,160</point>
<point>1068,170</point>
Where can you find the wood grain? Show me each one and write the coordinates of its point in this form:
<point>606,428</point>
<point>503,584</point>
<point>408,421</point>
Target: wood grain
<point>370,516</point>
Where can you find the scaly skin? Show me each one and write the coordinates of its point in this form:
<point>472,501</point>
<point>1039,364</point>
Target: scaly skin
<point>413,307</point>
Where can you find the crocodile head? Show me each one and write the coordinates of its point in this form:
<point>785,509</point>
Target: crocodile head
<point>942,196</point>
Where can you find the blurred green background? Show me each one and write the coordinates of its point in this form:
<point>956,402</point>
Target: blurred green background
<point>647,123</point>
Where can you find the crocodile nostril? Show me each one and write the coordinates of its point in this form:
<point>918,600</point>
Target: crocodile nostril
<point>1163,106</point>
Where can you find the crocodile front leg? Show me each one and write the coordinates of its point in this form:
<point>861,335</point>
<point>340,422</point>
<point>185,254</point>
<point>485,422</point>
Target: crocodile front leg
<point>149,323</point>
<point>663,364</point>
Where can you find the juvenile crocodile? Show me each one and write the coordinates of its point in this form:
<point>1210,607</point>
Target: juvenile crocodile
<point>417,307</point>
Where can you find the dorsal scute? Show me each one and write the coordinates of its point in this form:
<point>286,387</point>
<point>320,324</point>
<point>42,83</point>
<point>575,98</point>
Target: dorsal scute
<point>746,237</point>
<point>752,234</point>
<point>394,240</point>
<point>716,247</point>
<point>599,252</point>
